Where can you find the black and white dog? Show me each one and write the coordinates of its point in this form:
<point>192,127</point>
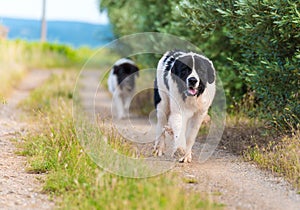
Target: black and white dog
<point>121,83</point>
<point>184,90</point>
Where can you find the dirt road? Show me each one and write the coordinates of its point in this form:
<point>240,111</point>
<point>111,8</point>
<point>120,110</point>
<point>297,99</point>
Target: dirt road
<point>19,189</point>
<point>225,177</point>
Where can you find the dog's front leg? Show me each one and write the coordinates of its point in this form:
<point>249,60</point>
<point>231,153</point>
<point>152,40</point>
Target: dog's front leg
<point>193,127</point>
<point>118,104</point>
<point>178,125</point>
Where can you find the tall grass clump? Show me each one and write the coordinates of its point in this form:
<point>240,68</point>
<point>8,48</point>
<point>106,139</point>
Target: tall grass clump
<point>71,174</point>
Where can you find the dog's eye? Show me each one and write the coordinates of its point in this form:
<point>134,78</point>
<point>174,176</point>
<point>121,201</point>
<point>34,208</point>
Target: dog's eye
<point>185,71</point>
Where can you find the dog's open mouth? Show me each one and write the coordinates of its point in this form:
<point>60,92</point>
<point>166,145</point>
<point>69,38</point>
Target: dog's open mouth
<point>192,91</point>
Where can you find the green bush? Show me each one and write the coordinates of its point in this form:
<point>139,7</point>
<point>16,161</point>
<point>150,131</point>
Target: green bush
<point>253,43</point>
<point>268,35</point>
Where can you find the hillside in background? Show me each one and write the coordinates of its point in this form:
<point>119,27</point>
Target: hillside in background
<point>72,33</point>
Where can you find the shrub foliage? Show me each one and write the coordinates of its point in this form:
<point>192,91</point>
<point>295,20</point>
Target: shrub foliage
<point>255,45</point>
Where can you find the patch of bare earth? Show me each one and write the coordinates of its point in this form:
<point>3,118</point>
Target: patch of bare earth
<point>19,189</point>
<point>225,178</point>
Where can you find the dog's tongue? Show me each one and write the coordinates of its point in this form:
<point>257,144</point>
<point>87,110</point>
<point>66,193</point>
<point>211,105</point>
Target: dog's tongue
<point>192,91</point>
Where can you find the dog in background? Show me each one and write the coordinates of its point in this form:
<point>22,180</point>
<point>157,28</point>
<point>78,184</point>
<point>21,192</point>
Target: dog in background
<point>183,92</point>
<point>121,83</point>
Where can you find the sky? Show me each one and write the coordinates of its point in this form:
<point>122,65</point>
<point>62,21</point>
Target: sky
<point>74,10</point>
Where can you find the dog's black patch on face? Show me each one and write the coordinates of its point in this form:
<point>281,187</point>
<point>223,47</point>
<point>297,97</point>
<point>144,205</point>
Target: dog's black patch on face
<point>157,97</point>
<point>169,62</point>
<point>201,88</point>
<point>181,69</point>
<point>123,72</point>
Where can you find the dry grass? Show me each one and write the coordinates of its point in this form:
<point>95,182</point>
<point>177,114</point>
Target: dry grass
<point>265,146</point>
<point>11,69</point>
<point>282,157</point>
<point>10,76</point>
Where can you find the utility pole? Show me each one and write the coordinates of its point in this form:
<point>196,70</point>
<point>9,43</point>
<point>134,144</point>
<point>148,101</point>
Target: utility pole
<point>44,23</point>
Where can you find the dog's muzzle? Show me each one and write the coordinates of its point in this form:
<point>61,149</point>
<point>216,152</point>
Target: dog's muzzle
<point>192,90</point>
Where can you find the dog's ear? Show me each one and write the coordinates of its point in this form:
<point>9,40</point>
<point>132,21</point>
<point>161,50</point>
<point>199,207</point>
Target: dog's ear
<point>135,70</point>
<point>210,72</point>
<point>115,69</point>
<point>206,70</point>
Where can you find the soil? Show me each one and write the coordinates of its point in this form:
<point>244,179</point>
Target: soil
<point>18,188</point>
<point>224,177</point>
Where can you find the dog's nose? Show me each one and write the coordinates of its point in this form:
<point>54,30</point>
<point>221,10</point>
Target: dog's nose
<point>192,81</point>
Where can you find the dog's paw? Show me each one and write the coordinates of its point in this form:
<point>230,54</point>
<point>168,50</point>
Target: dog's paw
<point>178,152</point>
<point>123,116</point>
<point>159,149</point>
<point>187,158</point>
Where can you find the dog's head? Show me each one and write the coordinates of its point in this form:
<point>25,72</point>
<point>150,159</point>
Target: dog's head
<point>192,72</point>
<point>125,72</point>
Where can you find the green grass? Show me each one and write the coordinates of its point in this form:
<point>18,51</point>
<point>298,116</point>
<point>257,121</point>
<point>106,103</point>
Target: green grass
<point>17,57</point>
<point>71,174</point>
<point>37,55</point>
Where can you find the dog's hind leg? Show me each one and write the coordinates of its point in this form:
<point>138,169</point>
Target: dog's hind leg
<point>126,102</point>
<point>162,111</point>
